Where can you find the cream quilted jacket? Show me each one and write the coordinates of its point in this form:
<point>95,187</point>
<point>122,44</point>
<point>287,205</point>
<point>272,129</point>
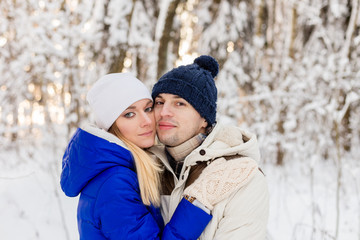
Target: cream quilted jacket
<point>242,216</point>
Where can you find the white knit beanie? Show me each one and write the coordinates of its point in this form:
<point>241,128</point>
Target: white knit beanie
<point>112,94</point>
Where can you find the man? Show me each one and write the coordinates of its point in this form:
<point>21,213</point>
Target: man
<point>185,111</point>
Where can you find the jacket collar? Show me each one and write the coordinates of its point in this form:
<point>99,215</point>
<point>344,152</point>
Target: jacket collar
<point>224,140</point>
<point>179,152</point>
<point>101,133</point>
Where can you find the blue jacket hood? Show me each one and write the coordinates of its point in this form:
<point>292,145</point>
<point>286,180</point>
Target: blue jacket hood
<point>90,152</point>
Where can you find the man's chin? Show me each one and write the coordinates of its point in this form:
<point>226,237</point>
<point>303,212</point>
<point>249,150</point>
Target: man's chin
<point>168,140</point>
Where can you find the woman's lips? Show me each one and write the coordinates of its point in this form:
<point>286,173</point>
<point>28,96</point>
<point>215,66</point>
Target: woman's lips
<point>146,134</point>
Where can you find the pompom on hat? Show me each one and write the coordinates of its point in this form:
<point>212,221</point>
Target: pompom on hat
<point>112,94</point>
<point>194,83</point>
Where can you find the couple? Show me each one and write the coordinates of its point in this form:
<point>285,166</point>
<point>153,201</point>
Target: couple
<point>206,173</point>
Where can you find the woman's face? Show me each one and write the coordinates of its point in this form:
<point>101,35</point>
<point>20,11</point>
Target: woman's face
<point>137,123</point>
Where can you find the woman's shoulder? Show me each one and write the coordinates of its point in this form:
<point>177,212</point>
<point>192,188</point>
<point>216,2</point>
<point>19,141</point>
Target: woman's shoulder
<point>117,185</point>
<point>119,177</point>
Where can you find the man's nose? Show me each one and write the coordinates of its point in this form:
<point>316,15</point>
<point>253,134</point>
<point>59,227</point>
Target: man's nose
<point>166,110</point>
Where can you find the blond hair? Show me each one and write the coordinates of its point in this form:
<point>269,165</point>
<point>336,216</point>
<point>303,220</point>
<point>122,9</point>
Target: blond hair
<point>148,171</point>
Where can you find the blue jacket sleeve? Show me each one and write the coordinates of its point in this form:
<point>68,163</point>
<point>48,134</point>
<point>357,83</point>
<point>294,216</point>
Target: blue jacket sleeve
<point>188,222</point>
<point>123,215</point>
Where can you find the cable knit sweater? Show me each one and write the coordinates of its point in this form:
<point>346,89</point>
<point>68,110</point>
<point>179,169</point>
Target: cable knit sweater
<point>244,214</point>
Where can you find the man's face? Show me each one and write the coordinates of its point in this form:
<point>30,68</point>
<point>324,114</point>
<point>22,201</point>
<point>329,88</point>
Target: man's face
<point>176,120</point>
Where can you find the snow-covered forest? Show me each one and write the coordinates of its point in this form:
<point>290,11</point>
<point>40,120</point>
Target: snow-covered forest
<point>289,72</point>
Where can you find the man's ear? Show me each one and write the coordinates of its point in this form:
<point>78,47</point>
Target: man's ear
<point>205,124</point>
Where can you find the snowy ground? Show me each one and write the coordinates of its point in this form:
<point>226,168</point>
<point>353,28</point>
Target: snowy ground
<point>302,210</point>
<point>32,205</point>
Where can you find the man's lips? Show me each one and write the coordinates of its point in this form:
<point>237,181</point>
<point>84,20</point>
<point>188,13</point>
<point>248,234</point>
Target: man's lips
<point>166,125</point>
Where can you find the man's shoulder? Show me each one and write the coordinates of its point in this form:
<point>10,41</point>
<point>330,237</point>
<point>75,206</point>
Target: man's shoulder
<point>257,187</point>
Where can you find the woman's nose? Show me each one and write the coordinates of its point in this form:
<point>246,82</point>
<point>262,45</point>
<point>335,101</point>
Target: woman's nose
<point>146,119</point>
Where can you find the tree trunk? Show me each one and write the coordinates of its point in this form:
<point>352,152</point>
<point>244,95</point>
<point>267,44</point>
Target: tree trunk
<point>166,38</point>
<point>293,32</point>
<point>117,63</point>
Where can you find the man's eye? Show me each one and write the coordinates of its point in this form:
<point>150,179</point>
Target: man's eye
<point>149,109</point>
<point>129,115</point>
<point>180,104</point>
<point>158,103</point>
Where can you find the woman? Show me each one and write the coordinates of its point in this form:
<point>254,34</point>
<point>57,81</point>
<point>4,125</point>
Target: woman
<point>117,181</point>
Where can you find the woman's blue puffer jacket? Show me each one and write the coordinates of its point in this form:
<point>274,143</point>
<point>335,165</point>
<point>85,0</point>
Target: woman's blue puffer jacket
<point>110,206</point>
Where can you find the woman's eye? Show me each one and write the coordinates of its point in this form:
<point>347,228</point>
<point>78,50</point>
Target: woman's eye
<point>149,109</point>
<point>129,115</point>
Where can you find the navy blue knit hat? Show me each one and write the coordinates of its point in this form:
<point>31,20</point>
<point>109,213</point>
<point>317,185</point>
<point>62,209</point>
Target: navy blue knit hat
<point>194,83</point>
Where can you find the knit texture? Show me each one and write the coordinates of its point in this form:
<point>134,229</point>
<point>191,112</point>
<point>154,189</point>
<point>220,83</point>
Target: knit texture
<point>194,83</point>
<point>220,179</point>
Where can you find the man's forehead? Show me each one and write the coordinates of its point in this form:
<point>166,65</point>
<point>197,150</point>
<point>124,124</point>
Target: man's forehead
<point>169,95</point>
